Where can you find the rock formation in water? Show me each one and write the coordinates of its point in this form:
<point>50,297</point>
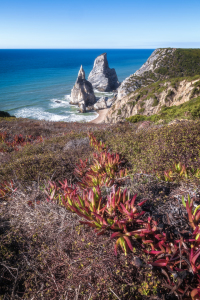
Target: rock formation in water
<point>102,77</point>
<point>82,93</point>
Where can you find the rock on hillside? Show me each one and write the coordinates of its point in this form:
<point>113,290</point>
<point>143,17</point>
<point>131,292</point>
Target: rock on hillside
<point>102,77</point>
<point>150,99</point>
<point>82,93</point>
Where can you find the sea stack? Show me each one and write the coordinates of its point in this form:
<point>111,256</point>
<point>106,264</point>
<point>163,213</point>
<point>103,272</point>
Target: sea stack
<point>82,93</point>
<point>102,77</point>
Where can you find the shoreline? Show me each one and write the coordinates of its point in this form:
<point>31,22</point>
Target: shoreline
<point>101,116</point>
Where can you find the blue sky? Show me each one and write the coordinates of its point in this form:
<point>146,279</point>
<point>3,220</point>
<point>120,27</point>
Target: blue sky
<point>99,24</point>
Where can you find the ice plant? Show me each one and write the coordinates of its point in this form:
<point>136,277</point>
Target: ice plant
<point>6,188</point>
<point>193,213</point>
<point>9,143</point>
<point>98,146</point>
<point>119,213</point>
<point>178,170</point>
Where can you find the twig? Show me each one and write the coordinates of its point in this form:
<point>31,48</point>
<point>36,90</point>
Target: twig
<point>180,255</point>
<point>115,294</point>
<point>8,268</point>
<point>77,292</point>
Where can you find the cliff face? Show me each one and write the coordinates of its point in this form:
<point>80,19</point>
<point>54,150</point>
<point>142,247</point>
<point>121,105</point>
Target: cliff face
<point>149,100</point>
<point>146,74</point>
<point>102,77</point>
<point>82,92</point>
<point>152,86</point>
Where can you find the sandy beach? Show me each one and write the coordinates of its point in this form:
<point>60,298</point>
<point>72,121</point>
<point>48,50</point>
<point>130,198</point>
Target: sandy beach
<point>102,113</point>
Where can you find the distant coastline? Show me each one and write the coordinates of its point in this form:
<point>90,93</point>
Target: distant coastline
<point>36,84</point>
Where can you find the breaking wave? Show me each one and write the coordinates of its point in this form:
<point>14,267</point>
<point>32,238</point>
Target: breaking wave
<point>40,114</point>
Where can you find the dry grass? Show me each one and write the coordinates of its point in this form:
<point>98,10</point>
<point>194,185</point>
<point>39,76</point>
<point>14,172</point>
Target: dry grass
<point>46,254</point>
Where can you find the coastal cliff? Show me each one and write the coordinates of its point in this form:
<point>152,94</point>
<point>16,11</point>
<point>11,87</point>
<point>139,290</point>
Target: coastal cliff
<point>166,79</point>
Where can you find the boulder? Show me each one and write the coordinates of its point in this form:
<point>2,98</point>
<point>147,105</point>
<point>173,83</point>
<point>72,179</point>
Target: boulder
<point>82,107</point>
<point>82,91</point>
<point>110,101</point>
<point>102,77</point>
<point>100,104</point>
<point>89,108</point>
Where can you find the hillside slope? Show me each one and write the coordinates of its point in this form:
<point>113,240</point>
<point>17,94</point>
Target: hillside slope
<point>151,99</point>
<point>169,77</point>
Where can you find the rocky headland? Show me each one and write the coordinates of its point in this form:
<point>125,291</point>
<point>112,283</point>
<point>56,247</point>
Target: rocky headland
<point>170,77</point>
<point>102,77</point>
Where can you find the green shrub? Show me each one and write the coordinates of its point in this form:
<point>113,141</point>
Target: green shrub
<point>194,92</point>
<point>197,84</point>
<point>136,118</point>
<point>161,89</point>
<point>191,108</point>
<point>157,149</point>
<point>155,102</point>
<point>181,63</point>
<point>175,82</point>
<point>169,94</point>
<point>137,97</point>
<point>4,114</point>
<point>119,112</point>
<point>162,70</point>
<point>132,103</point>
<point>142,110</point>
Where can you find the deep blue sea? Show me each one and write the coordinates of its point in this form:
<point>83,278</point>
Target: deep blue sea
<point>32,81</point>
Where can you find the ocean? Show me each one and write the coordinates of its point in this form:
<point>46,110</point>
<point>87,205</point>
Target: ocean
<point>36,84</point>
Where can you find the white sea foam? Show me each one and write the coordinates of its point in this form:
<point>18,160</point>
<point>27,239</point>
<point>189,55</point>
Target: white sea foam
<point>67,97</point>
<point>106,94</point>
<point>39,114</point>
<point>55,103</point>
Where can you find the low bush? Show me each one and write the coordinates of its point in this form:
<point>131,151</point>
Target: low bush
<point>136,118</point>
<point>189,109</point>
<point>155,102</point>
<point>194,92</point>
<point>4,114</point>
<point>141,110</point>
<point>156,149</point>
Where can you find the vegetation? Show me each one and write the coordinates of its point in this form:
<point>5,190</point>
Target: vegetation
<point>119,213</point>
<point>183,62</point>
<point>189,109</point>
<point>4,114</point>
<point>119,112</point>
<point>49,157</point>
<point>49,249</point>
<point>157,148</point>
<point>132,103</point>
<point>155,101</point>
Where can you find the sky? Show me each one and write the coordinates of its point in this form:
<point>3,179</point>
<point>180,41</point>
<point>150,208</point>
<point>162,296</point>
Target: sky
<point>99,24</point>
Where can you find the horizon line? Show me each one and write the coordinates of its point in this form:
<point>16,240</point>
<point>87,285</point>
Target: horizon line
<point>100,48</point>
